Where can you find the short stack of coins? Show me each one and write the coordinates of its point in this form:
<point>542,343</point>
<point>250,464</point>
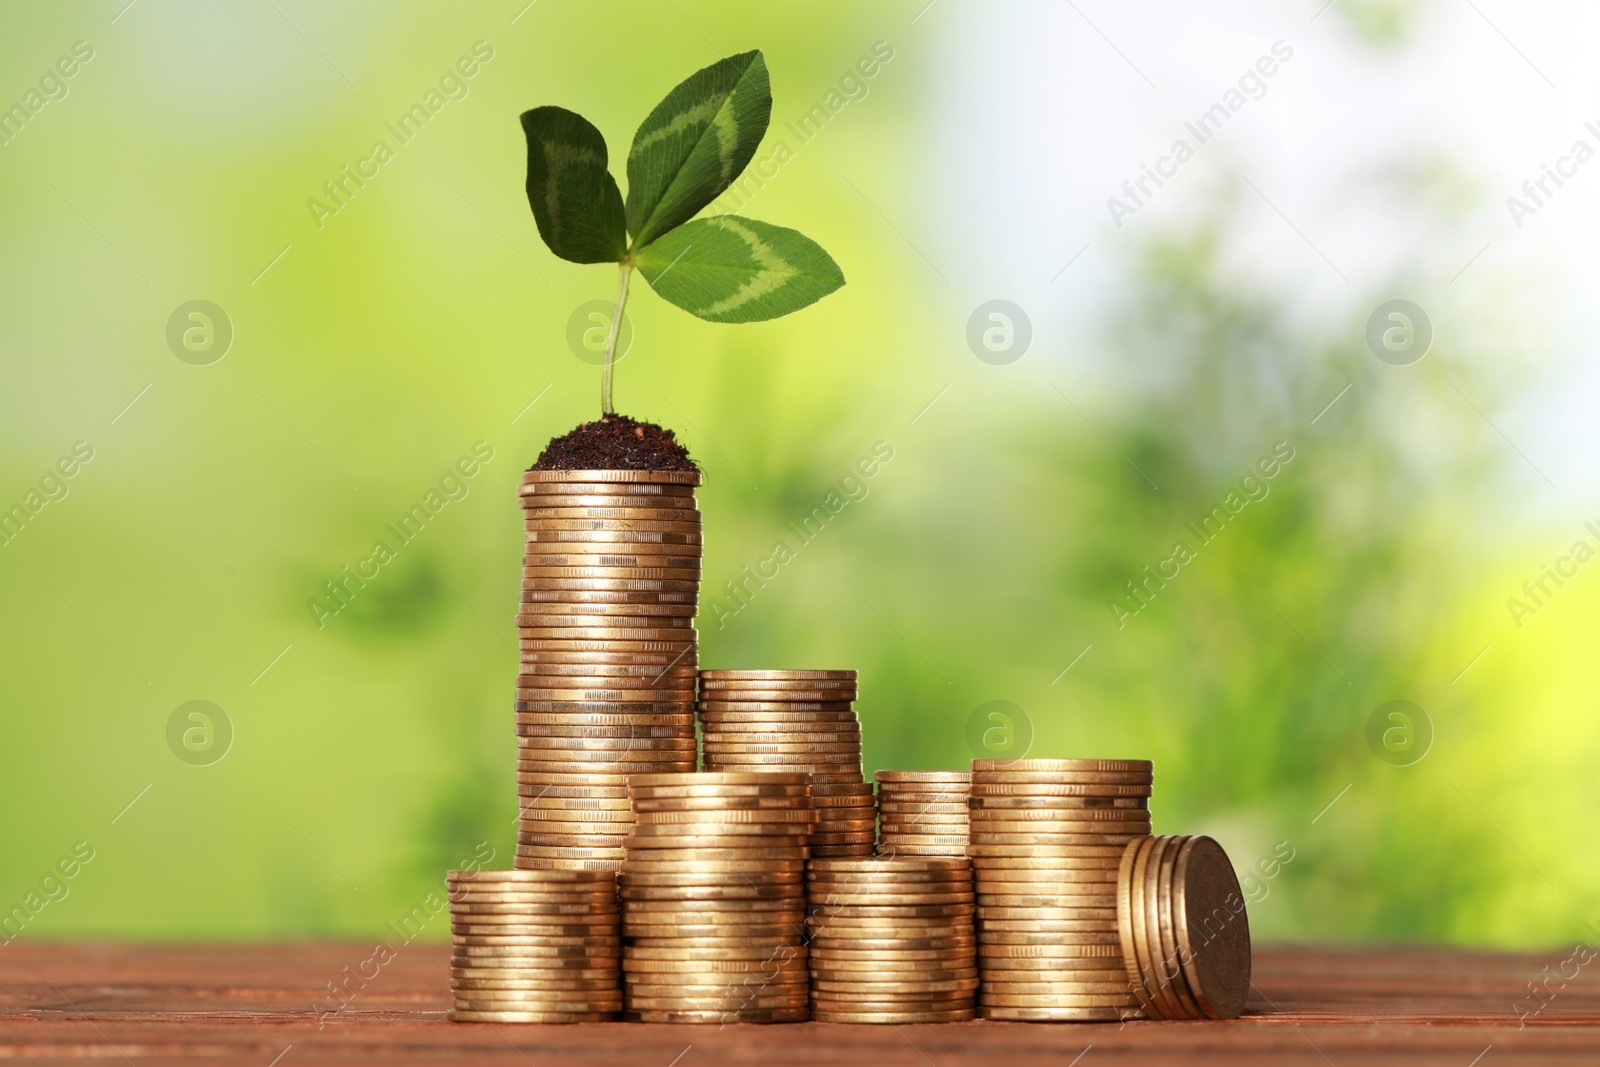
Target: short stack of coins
<point>608,647</point>
<point>714,898</point>
<point>1046,838</point>
<point>803,720</point>
<point>1185,934</point>
<point>892,939</point>
<point>534,946</point>
<point>922,813</point>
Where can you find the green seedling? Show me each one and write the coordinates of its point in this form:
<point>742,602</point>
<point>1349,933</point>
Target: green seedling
<point>697,141</point>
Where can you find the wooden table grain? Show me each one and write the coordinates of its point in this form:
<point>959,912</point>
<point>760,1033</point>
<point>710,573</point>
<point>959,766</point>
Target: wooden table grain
<point>271,1005</point>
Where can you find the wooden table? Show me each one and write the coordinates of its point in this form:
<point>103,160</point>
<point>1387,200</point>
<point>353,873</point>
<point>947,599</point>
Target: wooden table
<point>259,1004</point>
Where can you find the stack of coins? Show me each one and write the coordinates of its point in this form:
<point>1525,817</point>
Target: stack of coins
<point>794,721</point>
<point>892,940</point>
<point>609,654</point>
<point>1046,839</point>
<point>534,946</point>
<point>1185,934</point>
<point>714,898</point>
<point>922,813</point>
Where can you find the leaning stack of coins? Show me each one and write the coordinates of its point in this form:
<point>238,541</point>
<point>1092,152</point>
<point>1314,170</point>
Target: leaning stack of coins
<point>922,813</point>
<point>714,898</point>
<point>1046,840</point>
<point>1185,934</point>
<point>892,940</point>
<point>606,689</point>
<point>794,721</point>
<point>534,946</point>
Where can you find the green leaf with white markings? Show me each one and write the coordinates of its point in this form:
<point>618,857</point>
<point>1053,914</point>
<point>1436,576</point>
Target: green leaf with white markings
<point>575,199</point>
<point>728,268</point>
<point>695,143</point>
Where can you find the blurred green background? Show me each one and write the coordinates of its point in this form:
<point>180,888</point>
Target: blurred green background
<point>1169,355</point>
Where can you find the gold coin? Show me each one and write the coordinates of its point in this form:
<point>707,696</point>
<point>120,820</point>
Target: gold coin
<point>647,832</point>
<point>756,951</point>
<point>462,1015</point>
<point>902,1015</point>
<point>896,961</point>
<point>679,931</point>
<point>703,779</point>
<point>1055,803</point>
<point>571,852</point>
<point>724,816</point>
<point>777,716</point>
<point>1077,1015</point>
<point>1165,1002</point>
<point>779,680</point>
<point>645,586</point>
<point>902,911</point>
<point>978,838</point>
<point>742,675</point>
<point>468,930</point>
<point>1056,951</point>
<point>615,495</point>
<point>890,806</point>
<point>1005,914</point>
<point>795,1015</point>
<point>716,804</point>
<point>737,1001</point>
<point>867,989</point>
<point>532,747</point>
<point>630,572</point>
<point>1052,928</point>
<point>664,970</point>
<point>562,973</point>
<point>1058,789</point>
<point>604,732</point>
<point>730,893</point>
<point>464,955</point>
<point>537,618</point>
<point>988,936</point>
<point>567,603</point>
<point>750,855</point>
<point>569,896</point>
<point>833,751</point>
<point>853,802</point>
<point>601,508</point>
<point>674,867</point>
<point>889,848</point>
<point>1215,955</point>
<point>713,700</point>
<point>535,660</point>
<point>627,522</point>
<point>1028,816</point>
<point>796,710</point>
<point>577,785</point>
<point>482,996</point>
<point>538,880</point>
<point>749,877</point>
<point>1061,766</point>
<point>1022,876</point>
<point>998,857</point>
<point>660,480</point>
<point>898,837</point>
<point>757,909</point>
<point>636,709</point>
<point>914,778</point>
<point>834,740</point>
<point>1082,969</point>
<point>596,910</point>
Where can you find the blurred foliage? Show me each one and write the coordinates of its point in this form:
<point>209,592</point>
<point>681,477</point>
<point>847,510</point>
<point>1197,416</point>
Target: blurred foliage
<point>979,563</point>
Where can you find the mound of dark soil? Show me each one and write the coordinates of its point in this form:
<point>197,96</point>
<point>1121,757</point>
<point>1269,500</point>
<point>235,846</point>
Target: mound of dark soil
<point>615,443</point>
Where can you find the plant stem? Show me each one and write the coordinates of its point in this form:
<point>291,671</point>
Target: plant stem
<point>611,337</point>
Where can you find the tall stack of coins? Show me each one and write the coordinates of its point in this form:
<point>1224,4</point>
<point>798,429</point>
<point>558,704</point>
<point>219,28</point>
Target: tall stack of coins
<point>534,946</point>
<point>794,721</point>
<point>714,898</point>
<point>606,625</point>
<point>1185,934</point>
<point>892,940</point>
<point>1046,839</point>
<point>922,813</point>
